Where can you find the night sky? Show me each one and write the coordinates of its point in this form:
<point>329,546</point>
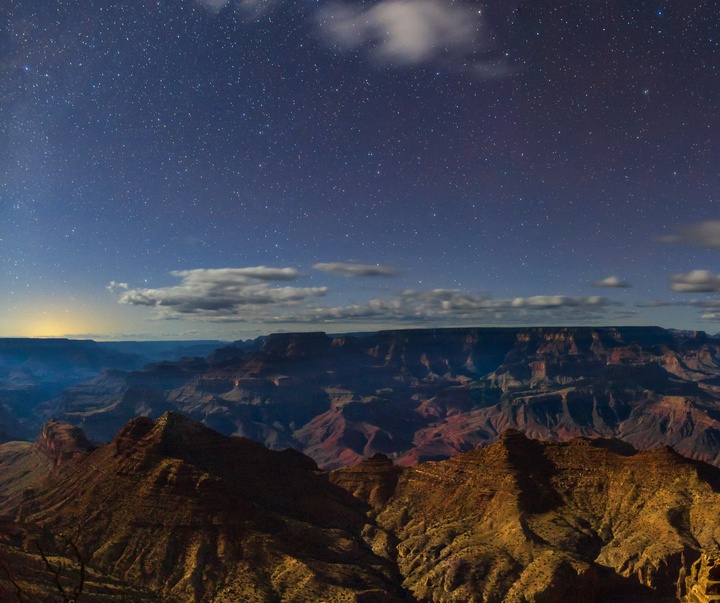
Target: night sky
<point>223,169</point>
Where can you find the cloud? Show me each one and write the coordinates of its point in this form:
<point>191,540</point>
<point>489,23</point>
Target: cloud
<point>558,301</point>
<point>696,281</point>
<point>115,286</point>
<point>355,270</point>
<point>253,9</point>
<point>709,304</point>
<point>449,306</point>
<point>612,282</point>
<point>709,308</point>
<point>705,235</point>
<point>221,294</point>
<point>655,303</point>
<point>235,275</point>
<point>411,32</point>
<point>253,295</point>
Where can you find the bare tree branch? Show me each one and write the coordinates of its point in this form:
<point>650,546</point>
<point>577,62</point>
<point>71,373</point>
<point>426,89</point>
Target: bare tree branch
<point>14,582</point>
<point>77,591</point>
<point>55,571</point>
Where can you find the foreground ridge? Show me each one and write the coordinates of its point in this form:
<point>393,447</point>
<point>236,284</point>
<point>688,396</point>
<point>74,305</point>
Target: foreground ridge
<point>173,510</point>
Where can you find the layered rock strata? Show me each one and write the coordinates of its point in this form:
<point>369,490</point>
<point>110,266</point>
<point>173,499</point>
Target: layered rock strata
<point>428,394</point>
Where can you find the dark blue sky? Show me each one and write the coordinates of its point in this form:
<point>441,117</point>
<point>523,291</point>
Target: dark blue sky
<point>187,168</point>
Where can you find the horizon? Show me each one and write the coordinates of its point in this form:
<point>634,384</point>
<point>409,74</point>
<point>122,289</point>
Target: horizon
<point>362,333</point>
<point>217,169</point>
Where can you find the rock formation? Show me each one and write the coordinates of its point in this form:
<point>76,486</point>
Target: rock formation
<point>428,394</point>
<point>702,585</point>
<point>172,511</point>
<point>61,442</point>
<point>523,520</point>
<point>33,371</point>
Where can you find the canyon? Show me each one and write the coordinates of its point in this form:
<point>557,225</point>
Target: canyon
<point>430,465</point>
<point>173,511</point>
<point>427,394</point>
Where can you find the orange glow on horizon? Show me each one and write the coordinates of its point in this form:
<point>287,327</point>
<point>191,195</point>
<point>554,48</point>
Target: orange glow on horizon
<point>54,318</point>
<point>55,326</point>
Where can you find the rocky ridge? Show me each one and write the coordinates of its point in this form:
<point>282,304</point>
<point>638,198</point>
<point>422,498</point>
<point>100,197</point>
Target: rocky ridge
<point>192,515</point>
<point>523,520</point>
<point>172,511</point>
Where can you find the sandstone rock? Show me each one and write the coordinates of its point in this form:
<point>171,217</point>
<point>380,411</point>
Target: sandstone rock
<point>62,442</point>
<point>702,584</point>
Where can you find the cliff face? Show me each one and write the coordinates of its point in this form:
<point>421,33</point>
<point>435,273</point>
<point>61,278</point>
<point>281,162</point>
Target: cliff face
<point>172,511</point>
<point>428,394</point>
<point>61,442</point>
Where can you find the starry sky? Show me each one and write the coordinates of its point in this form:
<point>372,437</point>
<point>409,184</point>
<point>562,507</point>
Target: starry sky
<point>226,168</point>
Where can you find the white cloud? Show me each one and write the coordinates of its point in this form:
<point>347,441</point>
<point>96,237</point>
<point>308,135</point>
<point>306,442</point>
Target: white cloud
<point>221,294</point>
<point>236,275</point>
<point>448,306</point>
<point>253,295</point>
<point>696,281</point>
<point>612,282</point>
<point>558,301</point>
<point>405,32</point>
<point>115,286</point>
<point>705,235</point>
<point>355,270</point>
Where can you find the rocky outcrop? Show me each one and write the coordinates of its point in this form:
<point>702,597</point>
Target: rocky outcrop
<point>373,480</point>
<point>61,442</point>
<point>702,584</point>
<point>523,520</point>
